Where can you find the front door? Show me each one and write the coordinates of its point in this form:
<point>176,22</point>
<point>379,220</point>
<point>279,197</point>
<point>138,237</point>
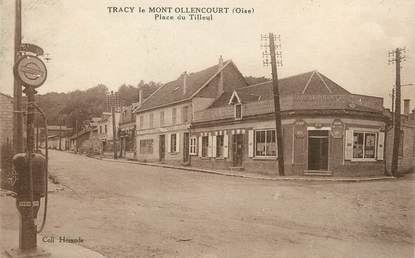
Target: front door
<point>237,147</point>
<point>185,147</point>
<point>162,147</point>
<point>318,150</point>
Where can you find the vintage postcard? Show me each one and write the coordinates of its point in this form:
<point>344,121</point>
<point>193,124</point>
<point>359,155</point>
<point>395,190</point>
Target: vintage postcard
<point>220,128</point>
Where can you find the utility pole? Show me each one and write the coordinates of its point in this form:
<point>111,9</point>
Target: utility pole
<point>271,38</point>
<point>17,87</point>
<point>60,133</point>
<point>397,56</point>
<point>76,131</point>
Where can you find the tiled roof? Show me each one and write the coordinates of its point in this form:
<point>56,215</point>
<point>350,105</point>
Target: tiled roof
<point>310,83</point>
<point>172,92</point>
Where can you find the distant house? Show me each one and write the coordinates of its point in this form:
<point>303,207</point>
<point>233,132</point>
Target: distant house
<point>6,118</point>
<point>163,120</point>
<point>105,132</point>
<point>86,141</point>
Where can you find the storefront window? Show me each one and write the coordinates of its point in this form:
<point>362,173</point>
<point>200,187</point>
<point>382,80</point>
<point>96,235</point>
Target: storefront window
<point>364,145</point>
<point>173,143</point>
<point>146,146</point>
<point>193,146</point>
<point>265,143</point>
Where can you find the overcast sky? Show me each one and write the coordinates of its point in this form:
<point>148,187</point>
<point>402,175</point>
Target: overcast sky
<point>348,41</point>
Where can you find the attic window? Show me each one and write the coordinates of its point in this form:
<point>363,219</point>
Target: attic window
<point>238,111</point>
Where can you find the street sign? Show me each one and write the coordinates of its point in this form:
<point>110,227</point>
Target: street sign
<point>31,71</point>
<point>27,47</point>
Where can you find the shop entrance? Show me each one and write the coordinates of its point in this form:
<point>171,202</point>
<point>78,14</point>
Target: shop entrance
<point>162,147</point>
<point>318,150</point>
<point>237,145</point>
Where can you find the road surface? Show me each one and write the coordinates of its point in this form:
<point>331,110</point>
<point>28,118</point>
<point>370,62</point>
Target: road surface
<point>130,210</point>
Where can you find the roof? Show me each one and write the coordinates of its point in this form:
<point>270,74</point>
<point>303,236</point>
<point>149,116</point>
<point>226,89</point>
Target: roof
<point>310,83</point>
<point>172,92</point>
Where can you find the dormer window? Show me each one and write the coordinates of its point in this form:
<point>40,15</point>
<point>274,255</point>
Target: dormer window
<point>238,111</point>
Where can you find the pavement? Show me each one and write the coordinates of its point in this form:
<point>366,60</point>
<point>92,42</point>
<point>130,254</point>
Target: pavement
<point>248,174</point>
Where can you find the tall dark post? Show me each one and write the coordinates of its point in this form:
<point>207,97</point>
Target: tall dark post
<point>37,134</point>
<point>17,89</point>
<point>27,229</point>
<point>397,116</point>
<point>114,132</point>
<point>277,108</point>
<point>76,140</point>
<point>60,133</point>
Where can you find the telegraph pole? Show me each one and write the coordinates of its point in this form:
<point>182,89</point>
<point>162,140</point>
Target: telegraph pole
<point>275,89</point>
<point>397,56</point>
<point>17,87</point>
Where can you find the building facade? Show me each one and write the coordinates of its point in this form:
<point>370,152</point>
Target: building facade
<point>6,118</point>
<point>326,130</point>
<point>163,120</point>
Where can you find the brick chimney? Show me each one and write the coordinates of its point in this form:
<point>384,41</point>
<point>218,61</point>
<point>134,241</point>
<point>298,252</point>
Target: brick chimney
<point>140,96</point>
<point>406,103</point>
<point>185,77</point>
<point>220,85</point>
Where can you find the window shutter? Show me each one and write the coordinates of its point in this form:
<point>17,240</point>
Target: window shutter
<point>381,144</point>
<point>210,146</point>
<point>348,145</point>
<point>177,142</point>
<point>225,146</point>
<point>250,143</point>
<point>214,146</point>
<point>199,144</point>
<point>168,142</point>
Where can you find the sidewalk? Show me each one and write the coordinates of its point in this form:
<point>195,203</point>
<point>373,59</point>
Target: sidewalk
<point>249,175</point>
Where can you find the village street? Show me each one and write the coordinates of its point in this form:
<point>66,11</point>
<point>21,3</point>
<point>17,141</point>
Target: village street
<point>130,210</point>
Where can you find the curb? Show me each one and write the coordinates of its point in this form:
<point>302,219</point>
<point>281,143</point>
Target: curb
<point>225,173</point>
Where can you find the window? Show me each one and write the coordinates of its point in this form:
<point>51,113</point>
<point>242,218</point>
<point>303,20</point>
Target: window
<point>141,122</point>
<point>173,115</point>
<point>193,146</point>
<point>265,143</point>
<point>151,120</point>
<point>219,146</point>
<point>146,146</point>
<point>185,111</point>
<point>161,118</point>
<point>238,111</point>
<point>173,143</point>
<point>106,129</point>
<point>364,145</point>
<point>205,146</point>
<point>100,129</point>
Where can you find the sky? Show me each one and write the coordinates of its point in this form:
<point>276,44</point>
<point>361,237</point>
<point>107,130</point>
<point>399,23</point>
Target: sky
<point>348,41</point>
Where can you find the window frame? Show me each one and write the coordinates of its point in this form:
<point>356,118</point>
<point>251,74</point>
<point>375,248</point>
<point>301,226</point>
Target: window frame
<point>173,146</point>
<point>364,132</point>
<point>146,146</point>
<point>255,143</point>
<point>235,106</point>
<point>193,145</point>
<point>220,148</point>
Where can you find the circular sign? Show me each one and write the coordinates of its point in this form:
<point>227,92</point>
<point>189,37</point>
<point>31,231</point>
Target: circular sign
<point>31,71</point>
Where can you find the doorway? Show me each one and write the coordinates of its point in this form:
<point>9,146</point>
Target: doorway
<point>318,150</point>
<point>186,147</point>
<point>162,147</point>
<point>237,149</point>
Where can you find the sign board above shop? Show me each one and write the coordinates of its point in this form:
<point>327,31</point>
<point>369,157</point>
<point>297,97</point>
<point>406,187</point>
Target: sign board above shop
<point>32,48</point>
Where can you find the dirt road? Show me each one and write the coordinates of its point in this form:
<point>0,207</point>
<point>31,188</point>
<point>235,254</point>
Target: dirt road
<point>129,210</point>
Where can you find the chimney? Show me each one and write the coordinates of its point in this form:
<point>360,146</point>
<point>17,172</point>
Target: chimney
<point>140,96</point>
<point>406,103</point>
<point>220,85</point>
<point>185,76</point>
